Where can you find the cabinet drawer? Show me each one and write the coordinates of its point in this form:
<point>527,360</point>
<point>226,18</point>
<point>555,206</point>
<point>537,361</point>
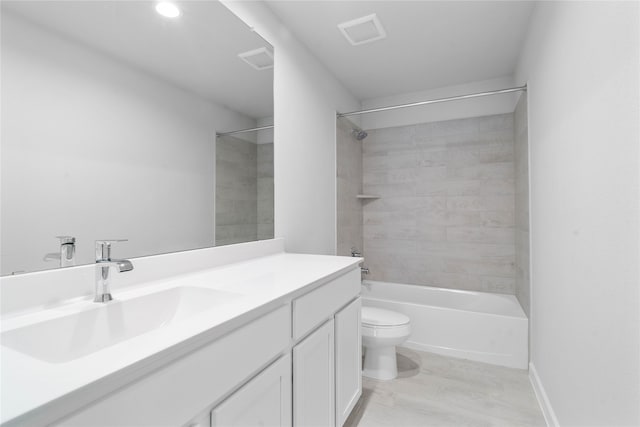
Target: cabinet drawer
<point>173,394</point>
<point>315,307</point>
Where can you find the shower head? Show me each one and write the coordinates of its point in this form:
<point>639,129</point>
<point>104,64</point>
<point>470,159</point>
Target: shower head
<point>359,134</point>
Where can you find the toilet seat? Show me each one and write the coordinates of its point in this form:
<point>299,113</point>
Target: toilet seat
<point>382,330</point>
<point>386,332</point>
<point>374,317</point>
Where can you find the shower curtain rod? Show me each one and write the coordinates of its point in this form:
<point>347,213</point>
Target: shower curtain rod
<point>244,131</point>
<point>434,101</point>
<point>394,107</point>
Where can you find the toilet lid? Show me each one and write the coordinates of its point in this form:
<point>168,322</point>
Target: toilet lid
<point>380,317</point>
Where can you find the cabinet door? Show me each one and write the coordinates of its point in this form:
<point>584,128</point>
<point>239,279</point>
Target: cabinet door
<point>348,360</point>
<point>264,401</point>
<point>313,379</point>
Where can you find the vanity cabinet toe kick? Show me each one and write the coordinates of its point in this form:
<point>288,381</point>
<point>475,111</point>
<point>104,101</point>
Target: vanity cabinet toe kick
<point>299,365</point>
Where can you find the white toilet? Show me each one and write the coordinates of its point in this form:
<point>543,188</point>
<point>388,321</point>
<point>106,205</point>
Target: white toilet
<point>382,330</point>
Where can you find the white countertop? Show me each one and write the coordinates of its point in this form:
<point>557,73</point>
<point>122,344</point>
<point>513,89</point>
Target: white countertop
<point>31,387</point>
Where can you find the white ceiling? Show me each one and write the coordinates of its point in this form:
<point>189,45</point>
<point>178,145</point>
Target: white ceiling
<point>429,44</point>
<point>197,52</point>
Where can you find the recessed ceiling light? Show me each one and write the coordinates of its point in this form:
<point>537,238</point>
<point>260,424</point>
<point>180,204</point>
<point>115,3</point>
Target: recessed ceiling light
<point>363,30</point>
<point>260,59</point>
<point>167,9</point>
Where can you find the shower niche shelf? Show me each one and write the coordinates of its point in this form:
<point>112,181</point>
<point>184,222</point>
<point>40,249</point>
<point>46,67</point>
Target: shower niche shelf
<point>367,196</point>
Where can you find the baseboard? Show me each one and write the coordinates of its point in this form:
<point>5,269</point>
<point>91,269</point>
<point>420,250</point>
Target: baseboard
<point>543,400</point>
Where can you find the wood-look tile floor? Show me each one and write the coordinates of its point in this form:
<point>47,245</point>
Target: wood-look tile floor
<point>433,390</point>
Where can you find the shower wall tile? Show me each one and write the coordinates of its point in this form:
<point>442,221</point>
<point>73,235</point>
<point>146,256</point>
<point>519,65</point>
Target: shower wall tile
<point>349,185</point>
<point>481,234</point>
<point>244,191</point>
<point>446,212</point>
<point>236,191</point>
<point>265,191</point>
<point>235,233</point>
<point>522,203</point>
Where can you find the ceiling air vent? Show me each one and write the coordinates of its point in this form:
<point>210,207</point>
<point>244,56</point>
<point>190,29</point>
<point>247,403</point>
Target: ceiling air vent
<point>260,59</point>
<point>363,30</point>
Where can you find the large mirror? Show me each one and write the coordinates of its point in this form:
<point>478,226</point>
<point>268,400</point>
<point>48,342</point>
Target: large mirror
<point>109,119</point>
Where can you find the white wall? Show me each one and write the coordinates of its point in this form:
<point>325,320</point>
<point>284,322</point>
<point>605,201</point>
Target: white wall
<point>307,97</point>
<point>483,106</point>
<point>581,64</point>
<point>88,141</point>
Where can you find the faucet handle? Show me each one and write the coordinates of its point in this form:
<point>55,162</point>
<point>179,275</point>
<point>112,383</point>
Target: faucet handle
<point>103,248</point>
<point>64,240</point>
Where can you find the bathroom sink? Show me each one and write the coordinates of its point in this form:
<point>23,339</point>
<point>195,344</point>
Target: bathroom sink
<point>73,336</point>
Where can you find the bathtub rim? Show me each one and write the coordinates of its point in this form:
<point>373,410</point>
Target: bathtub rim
<point>512,298</point>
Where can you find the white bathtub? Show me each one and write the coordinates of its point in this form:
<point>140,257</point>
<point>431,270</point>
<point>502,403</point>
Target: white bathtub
<point>480,326</point>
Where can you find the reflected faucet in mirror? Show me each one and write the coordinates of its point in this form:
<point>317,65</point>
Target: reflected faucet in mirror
<point>67,254</point>
<point>104,262</point>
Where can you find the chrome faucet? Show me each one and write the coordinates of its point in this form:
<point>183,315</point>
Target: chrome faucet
<point>67,251</point>
<point>355,252</point>
<point>103,268</point>
<point>67,254</point>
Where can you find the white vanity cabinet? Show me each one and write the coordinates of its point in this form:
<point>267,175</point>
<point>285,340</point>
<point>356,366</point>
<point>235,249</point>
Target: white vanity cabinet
<point>298,364</point>
<point>327,362</point>
<point>175,393</point>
